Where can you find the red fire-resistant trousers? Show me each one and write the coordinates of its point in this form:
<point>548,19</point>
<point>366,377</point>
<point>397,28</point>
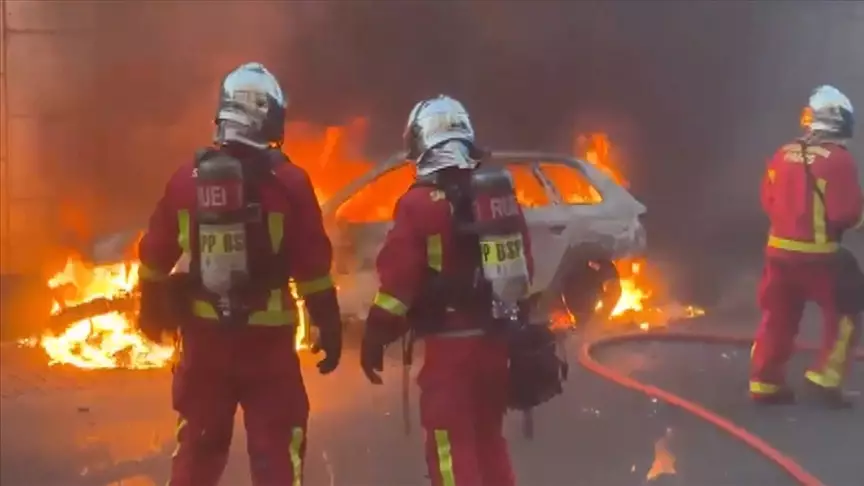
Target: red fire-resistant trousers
<point>785,288</point>
<point>463,399</point>
<point>214,376</point>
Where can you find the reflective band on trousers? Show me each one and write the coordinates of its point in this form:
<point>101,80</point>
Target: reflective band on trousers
<point>390,304</point>
<point>275,313</point>
<point>445,457</point>
<point>296,451</point>
<point>435,253</point>
<point>761,388</point>
<point>831,374</point>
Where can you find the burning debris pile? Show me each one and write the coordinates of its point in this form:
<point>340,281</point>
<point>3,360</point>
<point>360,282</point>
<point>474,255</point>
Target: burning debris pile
<point>107,339</point>
<point>95,306</point>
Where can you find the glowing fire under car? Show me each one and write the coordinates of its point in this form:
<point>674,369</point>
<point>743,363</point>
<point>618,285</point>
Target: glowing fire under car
<point>603,277</point>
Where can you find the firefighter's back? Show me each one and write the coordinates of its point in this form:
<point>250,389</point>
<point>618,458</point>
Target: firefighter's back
<point>248,341</point>
<point>799,225</point>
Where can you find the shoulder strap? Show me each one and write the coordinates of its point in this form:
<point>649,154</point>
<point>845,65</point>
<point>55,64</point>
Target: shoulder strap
<point>811,178</point>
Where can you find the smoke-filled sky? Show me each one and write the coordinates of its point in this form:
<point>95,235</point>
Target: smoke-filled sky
<point>696,93</point>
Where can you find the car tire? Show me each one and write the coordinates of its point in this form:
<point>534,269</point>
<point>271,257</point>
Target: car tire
<point>596,281</point>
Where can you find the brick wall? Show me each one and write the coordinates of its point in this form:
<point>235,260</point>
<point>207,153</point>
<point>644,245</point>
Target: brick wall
<point>46,54</point>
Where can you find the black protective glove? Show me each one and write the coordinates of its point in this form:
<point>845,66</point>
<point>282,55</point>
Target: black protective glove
<point>153,318</point>
<point>329,341</point>
<point>372,358</point>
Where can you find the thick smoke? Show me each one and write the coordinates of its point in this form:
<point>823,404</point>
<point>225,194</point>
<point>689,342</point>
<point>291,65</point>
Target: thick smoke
<point>697,93</point>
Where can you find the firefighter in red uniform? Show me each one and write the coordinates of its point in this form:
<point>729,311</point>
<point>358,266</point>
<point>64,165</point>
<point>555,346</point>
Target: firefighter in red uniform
<point>811,194</point>
<point>429,270</point>
<point>247,221</point>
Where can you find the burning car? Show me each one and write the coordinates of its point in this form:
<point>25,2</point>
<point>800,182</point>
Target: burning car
<point>580,219</point>
<point>585,226</point>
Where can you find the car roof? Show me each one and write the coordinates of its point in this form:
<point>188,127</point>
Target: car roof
<point>601,181</point>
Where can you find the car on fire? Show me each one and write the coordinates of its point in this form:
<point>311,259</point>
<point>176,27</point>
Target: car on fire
<point>580,221</point>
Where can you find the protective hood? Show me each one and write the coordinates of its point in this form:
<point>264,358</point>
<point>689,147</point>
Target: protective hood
<point>454,153</point>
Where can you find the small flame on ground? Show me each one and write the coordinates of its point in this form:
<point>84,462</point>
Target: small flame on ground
<point>664,459</point>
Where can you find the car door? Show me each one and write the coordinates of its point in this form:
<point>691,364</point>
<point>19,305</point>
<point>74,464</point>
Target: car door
<point>547,220</point>
<point>357,230</point>
<point>600,214</point>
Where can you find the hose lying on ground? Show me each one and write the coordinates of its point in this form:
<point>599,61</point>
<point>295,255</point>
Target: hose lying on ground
<point>587,360</point>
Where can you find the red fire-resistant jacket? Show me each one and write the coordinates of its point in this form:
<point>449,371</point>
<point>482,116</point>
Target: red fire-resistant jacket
<point>802,227</point>
<point>293,222</point>
<point>422,237</point>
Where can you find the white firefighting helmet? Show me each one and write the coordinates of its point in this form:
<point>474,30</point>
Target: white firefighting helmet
<point>251,108</point>
<point>431,124</point>
<point>829,111</point>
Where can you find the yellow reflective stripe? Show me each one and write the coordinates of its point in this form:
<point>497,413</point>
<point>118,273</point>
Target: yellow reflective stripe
<point>276,229</point>
<point>204,309</point>
<point>310,287</point>
<point>275,315</point>
<point>831,375</point>
<point>802,246</point>
<point>183,230</point>
<point>296,451</point>
<point>150,274</point>
<point>761,388</point>
<point>434,252</point>
<point>390,304</point>
<point>445,458</point>
<point>820,232</point>
<point>181,424</point>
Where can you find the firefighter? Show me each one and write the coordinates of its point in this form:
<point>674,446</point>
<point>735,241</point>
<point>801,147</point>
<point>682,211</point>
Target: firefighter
<point>246,220</point>
<point>812,196</point>
<point>428,269</point>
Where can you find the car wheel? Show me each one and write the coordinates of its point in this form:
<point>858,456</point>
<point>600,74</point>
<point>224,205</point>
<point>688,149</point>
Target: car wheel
<point>596,281</point>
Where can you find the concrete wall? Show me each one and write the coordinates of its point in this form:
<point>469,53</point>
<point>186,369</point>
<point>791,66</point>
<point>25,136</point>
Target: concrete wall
<point>46,52</point>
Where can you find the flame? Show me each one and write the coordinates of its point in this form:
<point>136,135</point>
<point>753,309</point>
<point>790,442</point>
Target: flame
<point>641,289</point>
<point>664,459</point>
<point>806,117</point>
<point>303,336</point>
<point>104,341</point>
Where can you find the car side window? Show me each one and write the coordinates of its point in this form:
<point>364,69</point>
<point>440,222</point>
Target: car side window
<point>374,202</point>
<point>574,187</point>
<point>529,191</point>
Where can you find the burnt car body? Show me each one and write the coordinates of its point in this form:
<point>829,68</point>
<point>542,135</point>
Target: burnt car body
<point>579,218</point>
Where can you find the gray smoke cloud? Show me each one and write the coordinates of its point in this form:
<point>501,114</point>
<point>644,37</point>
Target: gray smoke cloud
<point>698,94</point>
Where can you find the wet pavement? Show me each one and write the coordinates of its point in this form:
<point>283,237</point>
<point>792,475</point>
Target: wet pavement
<point>72,428</point>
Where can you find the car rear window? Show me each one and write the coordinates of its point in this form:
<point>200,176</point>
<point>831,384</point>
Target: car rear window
<point>571,184</point>
<point>529,191</point>
<point>374,203</point>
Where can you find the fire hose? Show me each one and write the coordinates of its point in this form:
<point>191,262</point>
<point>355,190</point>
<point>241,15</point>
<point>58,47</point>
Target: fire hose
<point>589,362</point>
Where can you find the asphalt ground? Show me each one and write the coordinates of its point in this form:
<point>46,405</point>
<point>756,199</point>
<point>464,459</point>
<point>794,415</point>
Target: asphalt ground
<point>67,427</point>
